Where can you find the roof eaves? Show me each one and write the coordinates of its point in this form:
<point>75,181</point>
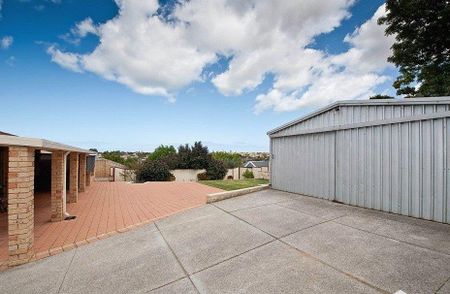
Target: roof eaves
<point>6,140</point>
<point>404,101</point>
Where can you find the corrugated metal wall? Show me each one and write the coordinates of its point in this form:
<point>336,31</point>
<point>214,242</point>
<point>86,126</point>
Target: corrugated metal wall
<point>401,167</point>
<point>304,164</point>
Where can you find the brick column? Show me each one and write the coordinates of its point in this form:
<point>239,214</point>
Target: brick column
<point>88,179</point>
<point>82,186</point>
<point>58,187</point>
<point>20,204</point>
<point>72,197</point>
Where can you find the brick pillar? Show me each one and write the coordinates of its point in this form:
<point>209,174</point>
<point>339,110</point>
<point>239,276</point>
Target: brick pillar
<point>20,204</point>
<point>88,179</point>
<point>72,197</point>
<point>82,186</point>
<point>58,187</point>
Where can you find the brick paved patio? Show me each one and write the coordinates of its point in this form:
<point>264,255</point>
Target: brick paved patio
<point>106,209</point>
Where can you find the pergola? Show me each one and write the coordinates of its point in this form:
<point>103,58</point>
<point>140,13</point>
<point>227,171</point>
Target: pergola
<point>19,181</point>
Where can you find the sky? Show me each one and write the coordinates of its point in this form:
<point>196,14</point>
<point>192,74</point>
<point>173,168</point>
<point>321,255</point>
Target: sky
<point>134,74</point>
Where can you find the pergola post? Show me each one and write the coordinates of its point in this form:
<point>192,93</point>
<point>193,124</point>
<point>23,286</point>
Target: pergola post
<point>72,197</point>
<point>82,186</point>
<point>20,204</point>
<point>88,178</point>
<point>58,187</point>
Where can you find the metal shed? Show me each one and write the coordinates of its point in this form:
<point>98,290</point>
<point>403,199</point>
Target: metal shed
<point>390,155</point>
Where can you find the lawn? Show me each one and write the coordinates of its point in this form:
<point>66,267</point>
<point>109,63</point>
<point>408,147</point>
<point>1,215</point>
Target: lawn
<point>229,185</point>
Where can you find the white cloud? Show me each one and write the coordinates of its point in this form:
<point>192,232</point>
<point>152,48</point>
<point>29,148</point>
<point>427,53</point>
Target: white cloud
<point>10,61</point>
<point>353,74</point>
<point>69,61</point>
<point>6,42</point>
<point>85,27</point>
<point>157,56</point>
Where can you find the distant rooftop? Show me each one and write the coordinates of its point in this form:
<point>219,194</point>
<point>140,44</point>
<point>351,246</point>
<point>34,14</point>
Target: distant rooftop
<point>6,134</point>
<point>257,163</point>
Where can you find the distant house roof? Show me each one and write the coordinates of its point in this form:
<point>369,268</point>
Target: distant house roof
<point>257,163</point>
<point>6,134</point>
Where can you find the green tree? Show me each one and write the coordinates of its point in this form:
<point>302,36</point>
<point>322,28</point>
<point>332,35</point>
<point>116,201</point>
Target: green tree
<point>162,151</point>
<point>115,156</point>
<point>184,156</point>
<point>199,156</point>
<point>132,163</point>
<point>229,159</point>
<point>422,47</point>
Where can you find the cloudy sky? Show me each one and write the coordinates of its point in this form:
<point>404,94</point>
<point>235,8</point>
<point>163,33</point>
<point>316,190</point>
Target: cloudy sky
<point>133,74</point>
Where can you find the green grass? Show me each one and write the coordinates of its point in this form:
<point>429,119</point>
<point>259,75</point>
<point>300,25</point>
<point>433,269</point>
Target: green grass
<point>229,185</point>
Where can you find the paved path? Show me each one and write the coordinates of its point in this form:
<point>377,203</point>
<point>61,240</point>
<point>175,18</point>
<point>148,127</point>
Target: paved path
<point>104,209</point>
<point>266,242</point>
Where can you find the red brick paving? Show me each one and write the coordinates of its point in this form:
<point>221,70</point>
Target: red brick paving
<point>105,209</point>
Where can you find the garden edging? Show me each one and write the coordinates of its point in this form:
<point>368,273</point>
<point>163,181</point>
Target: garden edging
<point>214,197</point>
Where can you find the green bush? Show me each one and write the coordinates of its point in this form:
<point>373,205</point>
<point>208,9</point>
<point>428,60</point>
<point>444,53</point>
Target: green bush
<point>202,176</point>
<point>248,174</point>
<point>153,170</point>
<point>215,170</point>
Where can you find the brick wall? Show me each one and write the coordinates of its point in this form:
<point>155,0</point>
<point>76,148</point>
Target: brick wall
<point>20,204</point>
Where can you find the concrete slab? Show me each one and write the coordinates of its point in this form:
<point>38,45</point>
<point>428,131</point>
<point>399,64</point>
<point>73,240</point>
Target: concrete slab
<point>261,198</point>
<point>183,286</point>
<point>317,207</point>
<point>432,235</point>
<point>133,262</point>
<point>276,220</point>
<point>43,276</point>
<point>275,268</point>
<point>204,242</point>
<point>386,263</point>
<point>188,216</point>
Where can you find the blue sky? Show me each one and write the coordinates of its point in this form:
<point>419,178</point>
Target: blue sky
<point>54,87</point>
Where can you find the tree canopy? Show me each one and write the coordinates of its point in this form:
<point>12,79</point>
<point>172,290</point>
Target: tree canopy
<point>229,159</point>
<point>422,47</point>
<point>162,151</point>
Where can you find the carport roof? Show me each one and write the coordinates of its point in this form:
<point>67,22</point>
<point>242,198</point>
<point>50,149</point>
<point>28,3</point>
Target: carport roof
<point>6,140</point>
<point>371,102</point>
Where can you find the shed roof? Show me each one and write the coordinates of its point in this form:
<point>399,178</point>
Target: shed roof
<point>372,102</point>
<point>7,140</point>
<point>257,163</point>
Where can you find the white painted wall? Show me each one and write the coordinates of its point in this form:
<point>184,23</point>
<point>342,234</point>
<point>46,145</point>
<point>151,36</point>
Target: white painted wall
<point>186,175</point>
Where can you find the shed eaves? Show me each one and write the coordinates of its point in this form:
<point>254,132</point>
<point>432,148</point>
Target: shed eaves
<point>374,102</point>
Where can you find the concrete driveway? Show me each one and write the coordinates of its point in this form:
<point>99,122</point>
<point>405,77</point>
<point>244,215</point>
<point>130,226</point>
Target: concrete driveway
<point>266,242</point>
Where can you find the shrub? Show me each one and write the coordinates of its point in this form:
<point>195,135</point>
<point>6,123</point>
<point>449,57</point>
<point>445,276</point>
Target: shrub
<point>202,176</point>
<point>248,174</point>
<point>153,170</point>
<point>215,170</point>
